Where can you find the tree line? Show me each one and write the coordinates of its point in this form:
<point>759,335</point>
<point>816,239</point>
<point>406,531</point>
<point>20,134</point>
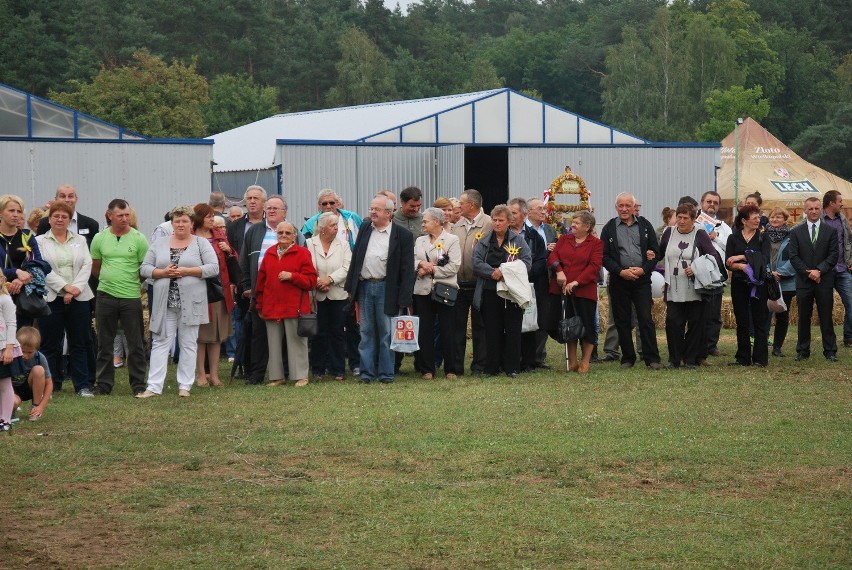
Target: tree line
<point>679,70</point>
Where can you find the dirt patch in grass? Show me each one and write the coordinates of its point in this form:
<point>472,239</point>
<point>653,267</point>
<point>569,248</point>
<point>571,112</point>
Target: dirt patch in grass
<point>32,539</point>
<point>805,481</point>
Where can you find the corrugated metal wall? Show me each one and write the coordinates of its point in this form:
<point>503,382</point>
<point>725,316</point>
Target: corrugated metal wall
<point>354,172</point>
<point>234,184</point>
<point>658,177</point>
<point>153,177</point>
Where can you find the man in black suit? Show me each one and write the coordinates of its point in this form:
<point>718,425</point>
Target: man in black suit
<point>80,224</point>
<point>88,228</point>
<point>381,279</point>
<point>813,253</point>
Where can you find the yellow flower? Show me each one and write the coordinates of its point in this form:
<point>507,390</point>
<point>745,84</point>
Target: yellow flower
<point>478,236</point>
<point>439,245</point>
<point>511,249</point>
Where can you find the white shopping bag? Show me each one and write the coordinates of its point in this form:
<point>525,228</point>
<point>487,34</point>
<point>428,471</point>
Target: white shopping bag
<point>405,329</point>
<point>530,322</point>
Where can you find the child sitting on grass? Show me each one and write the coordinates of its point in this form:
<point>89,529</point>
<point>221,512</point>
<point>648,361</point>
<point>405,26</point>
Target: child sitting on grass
<point>9,349</point>
<point>31,374</point>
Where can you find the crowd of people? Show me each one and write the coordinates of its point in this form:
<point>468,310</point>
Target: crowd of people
<point>247,280</point>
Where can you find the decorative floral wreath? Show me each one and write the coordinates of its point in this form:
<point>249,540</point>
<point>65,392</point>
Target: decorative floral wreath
<point>568,183</point>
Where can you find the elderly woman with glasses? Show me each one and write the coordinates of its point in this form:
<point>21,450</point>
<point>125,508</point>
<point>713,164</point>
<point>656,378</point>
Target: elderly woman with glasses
<point>437,258</point>
<point>284,283</point>
<point>331,257</point>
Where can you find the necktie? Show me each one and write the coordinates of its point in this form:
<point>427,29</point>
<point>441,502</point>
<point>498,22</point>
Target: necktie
<point>813,233</point>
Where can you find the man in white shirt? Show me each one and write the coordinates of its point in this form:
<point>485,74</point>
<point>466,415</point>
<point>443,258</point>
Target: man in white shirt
<point>381,279</point>
<point>719,233</point>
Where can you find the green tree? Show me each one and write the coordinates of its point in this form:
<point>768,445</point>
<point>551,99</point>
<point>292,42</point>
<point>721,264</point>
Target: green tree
<point>237,100</point>
<point>31,58</point>
<point>728,105</point>
<point>363,72</point>
<point>829,144</point>
<point>147,96</point>
<point>754,56</point>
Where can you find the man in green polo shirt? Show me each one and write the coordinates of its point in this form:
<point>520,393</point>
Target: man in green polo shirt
<point>117,252</point>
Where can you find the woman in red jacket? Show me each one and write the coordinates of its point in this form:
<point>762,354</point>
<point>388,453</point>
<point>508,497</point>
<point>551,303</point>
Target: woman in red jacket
<point>284,283</point>
<point>574,264</point>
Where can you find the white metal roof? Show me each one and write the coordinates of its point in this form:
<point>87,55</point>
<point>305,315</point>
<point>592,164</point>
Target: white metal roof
<point>495,117</point>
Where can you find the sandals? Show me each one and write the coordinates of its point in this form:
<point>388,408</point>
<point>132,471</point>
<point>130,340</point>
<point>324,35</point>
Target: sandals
<point>202,382</point>
<point>216,383</point>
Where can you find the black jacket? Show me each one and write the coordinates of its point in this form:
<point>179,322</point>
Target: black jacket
<point>647,240</point>
<point>399,282</point>
<point>821,255</point>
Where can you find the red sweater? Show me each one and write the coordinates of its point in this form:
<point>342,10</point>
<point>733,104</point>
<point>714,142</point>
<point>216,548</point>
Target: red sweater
<point>580,263</point>
<point>276,299</point>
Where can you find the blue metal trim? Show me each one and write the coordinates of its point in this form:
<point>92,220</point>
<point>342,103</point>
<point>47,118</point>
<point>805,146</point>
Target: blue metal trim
<point>29,115</point>
<point>60,106</point>
<point>473,123</point>
<point>437,131</point>
<point>76,126</point>
<point>508,118</point>
<point>113,141</point>
<point>280,171</point>
<point>578,129</point>
<point>447,110</point>
<point>288,142</point>
<point>543,123</point>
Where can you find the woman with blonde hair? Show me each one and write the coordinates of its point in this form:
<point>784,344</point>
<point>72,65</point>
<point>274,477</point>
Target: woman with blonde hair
<point>778,233</point>
<point>19,251</point>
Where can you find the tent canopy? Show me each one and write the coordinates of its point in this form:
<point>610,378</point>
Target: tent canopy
<point>768,166</point>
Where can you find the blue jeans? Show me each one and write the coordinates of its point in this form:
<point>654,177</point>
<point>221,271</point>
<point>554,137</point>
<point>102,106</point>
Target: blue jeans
<point>375,332</point>
<point>72,321</point>
<point>843,285</point>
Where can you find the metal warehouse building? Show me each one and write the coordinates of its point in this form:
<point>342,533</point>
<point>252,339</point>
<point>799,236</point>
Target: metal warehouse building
<point>43,145</point>
<point>500,142</point>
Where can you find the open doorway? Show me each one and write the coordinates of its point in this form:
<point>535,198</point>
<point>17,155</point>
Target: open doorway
<point>486,168</point>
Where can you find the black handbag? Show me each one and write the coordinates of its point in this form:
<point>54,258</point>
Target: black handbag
<point>444,294</point>
<point>31,304</point>
<point>773,288</point>
<point>215,290</point>
<point>307,325</point>
<point>570,328</point>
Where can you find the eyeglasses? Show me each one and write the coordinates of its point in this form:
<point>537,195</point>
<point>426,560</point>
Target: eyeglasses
<point>286,233</point>
<point>274,209</point>
<point>328,203</point>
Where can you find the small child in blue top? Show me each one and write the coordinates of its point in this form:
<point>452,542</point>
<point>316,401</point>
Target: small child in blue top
<point>30,373</point>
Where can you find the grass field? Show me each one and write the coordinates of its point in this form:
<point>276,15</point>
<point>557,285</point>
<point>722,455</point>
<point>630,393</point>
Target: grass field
<point>717,467</point>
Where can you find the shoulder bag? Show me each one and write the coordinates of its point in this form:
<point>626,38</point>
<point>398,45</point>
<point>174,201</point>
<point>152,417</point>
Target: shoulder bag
<point>307,325</point>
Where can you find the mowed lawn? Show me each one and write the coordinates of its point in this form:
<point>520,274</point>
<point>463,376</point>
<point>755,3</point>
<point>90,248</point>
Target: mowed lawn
<point>715,467</point>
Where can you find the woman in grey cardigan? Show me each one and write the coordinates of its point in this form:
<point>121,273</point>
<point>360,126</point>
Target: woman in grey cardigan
<point>178,265</point>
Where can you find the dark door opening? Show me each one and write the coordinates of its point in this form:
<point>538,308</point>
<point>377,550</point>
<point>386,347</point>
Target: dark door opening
<point>486,168</point>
